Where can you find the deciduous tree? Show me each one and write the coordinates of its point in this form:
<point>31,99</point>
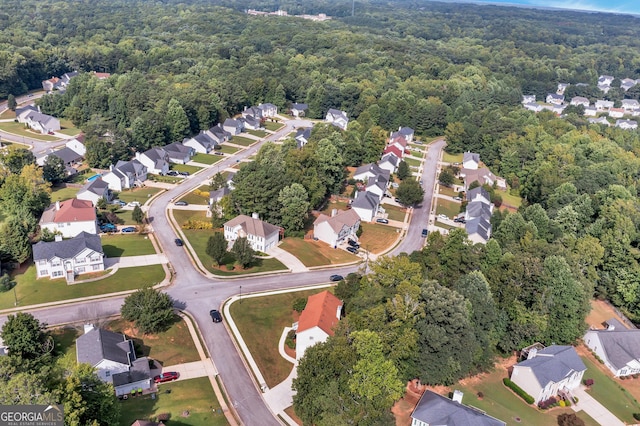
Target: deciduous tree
<point>245,255</point>
<point>25,336</point>
<point>151,310</point>
<point>217,247</point>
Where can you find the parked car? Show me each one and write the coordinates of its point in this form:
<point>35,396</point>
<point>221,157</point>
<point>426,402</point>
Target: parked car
<point>128,229</point>
<point>443,216</point>
<point>336,278</point>
<point>425,232</point>
<point>134,204</point>
<point>460,220</point>
<point>457,198</point>
<point>215,315</point>
<point>397,200</point>
<point>181,203</point>
<point>218,153</point>
<point>179,242</point>
<point>108,227</point>
<point>119,202</point>
<point>166,377</point>
<point>172,173</point>
<point>353,243</point>
<point>382,220</point>
<point>183,173</point>
<point>352,250</point>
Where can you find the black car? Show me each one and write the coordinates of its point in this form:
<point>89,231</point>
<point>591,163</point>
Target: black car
<point>215,315</point>
<point>183,173</point>
<point>425,232</point>
<point>353,244</point>
<point>352,250</point>
<point>172,173</point>
<point>179,242</point>
<point>336,278</point>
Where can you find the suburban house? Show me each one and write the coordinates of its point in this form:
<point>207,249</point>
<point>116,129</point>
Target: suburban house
<point>156,160</point>
<point>404,132</point>
<point>600,120</point>
<point>579,100</point>
<point>478,194</point>
<point>389,162</point>
<point>298,110</point>
<point>366,205</point>
<point>478,215</point>
<point>70,218</point>
<point>617,346</point>
<point>114,358</point>
<point>337,228</point>
<point>337,118</point>
<point>201,142</point>
<point>377,186</point>
<point>371,170</point>
<point>590,111</point>
<point>630,104</point>
<point>437,410</point>
<point>533,106</point>
<point>125,175</point>
<point>627,83</point>
<point>302,137</point>
<point>94,190</point>
<point>602,105</point>
<point>216,196</point>
<point>254,111</point>
<point>616,112</point>
<point>252,123</point>
<point>234,127</point>
<point>561,88</point>
<point>68,258</point>
<point>606,80</point>
<point>179,153</point>
<point>261,235</point>
<point>528,99</point>
<point>555,99</point>
<point>66,78</point>
<point>317,321</point>
<point>35,120</point>
<point>77,146</point>
<point>52,84</point>
<point>549,372</point>
<point>470,160</point>
<point>68,156</point>
<point>483,176</point>
<point>393,149</point>
<point>627,124</point>
<point>268,110</point>
<point>219,134</point>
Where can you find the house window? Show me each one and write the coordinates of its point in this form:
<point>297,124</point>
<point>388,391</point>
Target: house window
<point>57,274</point>
<point>81,260</point>
<point>56,263</point>
<point>95,267</point>
<point>44,272</point>
<point>107,373</point>
<point>42,262</point>
<point>95,258</point>
<point>80,270</point>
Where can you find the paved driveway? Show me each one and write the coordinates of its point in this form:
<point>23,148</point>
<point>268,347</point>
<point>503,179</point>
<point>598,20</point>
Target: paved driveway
<point>597,411</point>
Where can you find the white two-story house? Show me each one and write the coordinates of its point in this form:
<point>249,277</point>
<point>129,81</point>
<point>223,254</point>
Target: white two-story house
<point>68,258</point>
<point>70,218</point>
<point>261,235</point>
<point>126,175</point>
<point>338,227</point>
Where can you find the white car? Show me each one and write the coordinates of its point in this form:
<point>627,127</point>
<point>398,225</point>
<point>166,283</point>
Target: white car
<point>134,204</point>
<point>443,216</point>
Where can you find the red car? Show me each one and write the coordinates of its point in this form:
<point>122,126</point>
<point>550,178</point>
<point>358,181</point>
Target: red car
<point>166,377</point>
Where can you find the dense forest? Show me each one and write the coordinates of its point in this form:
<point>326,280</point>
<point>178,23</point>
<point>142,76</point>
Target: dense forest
<point>443,69</point>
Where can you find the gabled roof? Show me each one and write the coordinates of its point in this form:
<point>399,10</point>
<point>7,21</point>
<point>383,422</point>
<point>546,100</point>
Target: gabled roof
<point>398,140</point>
<point>67,155</point>
<point>252,120</point>
<point>372,168</point>
<point>553,363</point>
<point>478,209</point>
<point>366,200</point>
<point>471,156</point>
<point>155,154</point>
<point>479,191</point>
<point>219,193</point>
<point>29,108</point>
<point>478,225</point>
<point>219,132</point>
<point>321,311</point>
<point>72,210</point>
<point>299,107</point>
<point>139,371</point>
<point>392,149</point>
<point>231,122</point>
<point>343,218</point>
<point>580,99</point>
<point>434,409</point>
<point>128,167</point>
<point>39,117</point>
<point>389,158</point>
<point>252,226</point>
<point>555,96</point>
<point>254,111</point>
<point>177,149</point>
<point>98,344</point>
<point>620,344</point>
<point>630,102</point>
<point>97,186</point>
<point>335,114</point>
<point>67,249</point>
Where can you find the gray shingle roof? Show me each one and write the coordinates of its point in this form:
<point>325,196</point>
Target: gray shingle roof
<point>473,193</point>
<point>219,193</point>
<point>98,344</point>
<point>554,363</point>
<point>299,107</point>
<point>391,159</point>
<point>66,249</point>
<point>470,156</point>
<point>621,345</point>
<point>177,150</point>
<point>139,371</point>
<point>480,226</point>
<point>97,186</point>
<point>67,155</point>
<point>366,200</point>
<point>434,409</point>
<point>478,209</point>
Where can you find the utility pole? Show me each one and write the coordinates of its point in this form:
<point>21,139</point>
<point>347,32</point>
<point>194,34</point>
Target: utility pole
<point>240,294</point>
<point>15,296</point>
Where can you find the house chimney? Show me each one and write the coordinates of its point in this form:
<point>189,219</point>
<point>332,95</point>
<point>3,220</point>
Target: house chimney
<point>255,216</point>
<point>88,328</point>
<point>532,353</point>
<point>137,155</point>
<point>111,167</point>
<point>334,212</point>
<point>57,205</point>
<point>457,396</point>
<point>58,237</point>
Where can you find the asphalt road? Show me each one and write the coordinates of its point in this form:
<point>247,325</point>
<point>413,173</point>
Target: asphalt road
<point>197,294</point>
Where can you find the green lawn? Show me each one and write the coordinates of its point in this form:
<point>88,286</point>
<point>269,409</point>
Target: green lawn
<point>395,212</point>
<point>171,347</point>
<point>376,237</point>
<point>194,395</point>
<point>452,158</point>
<point>509,199</point>
<point>316,253</point>
<point>260,321</point>
<point>229,150</point>
<point>193,198</point>
<point>140,195</point>
<point>273,126</point>
<point>239,140</point>
<point>165,179</point>
<point>447,191</point>
<point>258,133</point>
<point>610,394</point>
<point>444,225</point>
<point>30,291</point>
<point>198,240</point>
<point>449,208</point>
<point>183,216</point>
<point>206,158</point>
<point>61,193</point>
<point>412,161</point>
<point>67,128</point>
<point>119,245</point>
<point>185,168</point>
<point>18,129</point>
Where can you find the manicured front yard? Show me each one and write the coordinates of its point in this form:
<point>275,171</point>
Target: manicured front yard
<point>412,161</point>
<point>376,238</point>
<point>19,129</point>
<point>339,205</point>
<point>30,291</point>
<point>119,245</point>
<point>610,393</point>
<point>444,225</point>
<point>60,193</point>
<point>273,126</point>
<point>171,347</point>
<point>228,150</point>
<point>240,140</point>
<point>206,158</point>
<point>260,321</point>
<point>185,168</point>
<point>395,212</point>
<point>448,208</point>
<point>316,253</point>
<point>258,133</point>
<point>452,158</point>
<point>197,197</point>
<point>140,195</point>
<point>195,396</point>
<point>447,191</point>
<point>67,128</point>
<point>510,200</point>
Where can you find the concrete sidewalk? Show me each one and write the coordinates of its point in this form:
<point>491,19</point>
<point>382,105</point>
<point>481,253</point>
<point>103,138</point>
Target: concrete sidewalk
<point>289,260</point>
<point>593,408</point>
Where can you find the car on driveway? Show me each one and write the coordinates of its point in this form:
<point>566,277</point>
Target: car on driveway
<point>172,173</point>
<point>134,204</point>
<point>119,202</point>
<point>218,153</point>
<point>335,278</point>
<point>166,377</point>
<point>443,217</point>
<point>382,220</point>
<point>178,242</point>
<point>352,250</point>
<point>128,229</point>
<point>353,243</point>
<point>183,173</point>
<point>181,203</point>
<point>457,198</point>
<point>108,227</point>
<point>215,315</point>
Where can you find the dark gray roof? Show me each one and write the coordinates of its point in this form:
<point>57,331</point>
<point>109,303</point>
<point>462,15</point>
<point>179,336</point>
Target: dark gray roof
<point>467,156</point>
<point>97,186</point>
<point>20,110</point>
<point>620,344</point>
<point>67,155</point>
<point>299,107</point>
<point>66,249</point>
<point>132,167</point>
<point>614,324</point>
<point>303,135</point>
<point>219,132</point>
<point>434,409</point>
<point>219,193</point>
<point>98,344</point>
<point>139,371</point>
<point>155,154</point>
<point>231,122</point>
<point>252,120</point>
<point>177,149</point>
<point>336,113</point>
<point>391,159</point>
<point>473,193</point>
<point>406,131</point>
<point>555,96</point>
<point>478,209</point>
<point>374,169</point>
<point>254,111</point>
<point>366,200</point>
<point>478,225</point>
<point>553,363</point>
<point>204,140</point>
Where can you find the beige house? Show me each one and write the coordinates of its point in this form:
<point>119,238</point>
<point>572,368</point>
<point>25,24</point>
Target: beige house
<point>261,235</point>
<point>336,228</point>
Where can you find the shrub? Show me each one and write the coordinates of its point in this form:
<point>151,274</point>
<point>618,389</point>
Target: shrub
<point>518,390</point>
<point>569,420</point>
<point>163,417</point>
<point>299,304</point>
<point>635,376</point>
<point>230,266</point>
<point>480,395</point>
<point>551,402</point>
<point>575,400</point>
<point>588,382</point>
<point>562,403</point>
<point>290,341</point>
<point>636,416</point>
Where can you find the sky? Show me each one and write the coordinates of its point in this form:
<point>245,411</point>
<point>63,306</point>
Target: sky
<point>616,6</point>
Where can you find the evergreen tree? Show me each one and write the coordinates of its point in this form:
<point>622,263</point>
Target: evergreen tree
<point>11,102</point>
<point>245,255</point>
<point>177,121</point>
<point>217,247</point>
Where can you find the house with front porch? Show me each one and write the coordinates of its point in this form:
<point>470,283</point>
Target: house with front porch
<point>201,143</point>
<point>617,346</point>
<point>337,228</point>
<point>261,235</point>
<point>366,205</point>
<point>68,258</point>
<point>156,160</point>
<point>549,372</point>
<point>179,153</point>
<point>337,118</point>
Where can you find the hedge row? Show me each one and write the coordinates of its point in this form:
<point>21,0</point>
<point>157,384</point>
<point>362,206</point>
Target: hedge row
<point>518,390</point>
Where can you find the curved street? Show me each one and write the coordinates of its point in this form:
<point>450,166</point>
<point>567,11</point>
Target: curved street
<point>197,294</point>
